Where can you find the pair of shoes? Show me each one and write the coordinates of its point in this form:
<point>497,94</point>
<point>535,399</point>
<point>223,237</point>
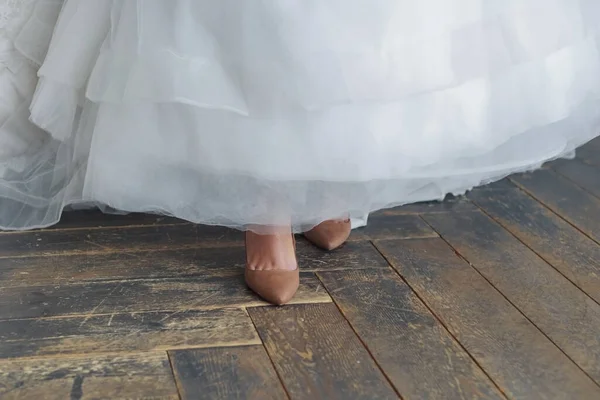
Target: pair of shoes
<point>271,265</point>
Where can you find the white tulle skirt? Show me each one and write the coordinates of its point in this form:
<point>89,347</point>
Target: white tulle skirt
<point>270,112</point>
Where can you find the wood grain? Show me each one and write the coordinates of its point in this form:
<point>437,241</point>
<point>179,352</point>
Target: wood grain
<point>136,332</point>
<point>318,355</point>
<point>570,318</point>
<point>39,271</point>
<point>393,227</point>
<point>509,348</point>
<point>590,153</point>
<point>147,238</point>
<point>224,288</point>
<point>575,255</point>
<point>565,198</point>
<point>85,219</point>
<point>450,204</point>
<point>140,376</point>
<point>82,241</point>
<point>226,373</point>
<point>414,350</point>
<point>584,175</point>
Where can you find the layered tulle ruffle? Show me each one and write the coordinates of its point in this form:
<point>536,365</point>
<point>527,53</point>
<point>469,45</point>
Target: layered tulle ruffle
<point>266,112</point>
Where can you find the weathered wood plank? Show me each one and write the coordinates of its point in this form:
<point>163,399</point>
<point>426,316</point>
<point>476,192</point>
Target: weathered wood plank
<point>565,198</point>
<point>568,316</point>
<point>414,350</point>
<point>450,204</point>
<point>63,242</point>
<point>146,376</point>
<point>96,219</point>
<point>57,270</point>
<point>393,227</point>
<point>590,153</point>
<point>585,175</point>
<point>82,241</point>
<point>575,255</point>
<point>218,289</point>
<point>137,332</point>
<point>317,354</point>
<point>513,352</point>
<point>226,373</point>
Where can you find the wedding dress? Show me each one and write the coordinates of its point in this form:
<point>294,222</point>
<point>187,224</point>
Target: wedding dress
<point>271,112</point>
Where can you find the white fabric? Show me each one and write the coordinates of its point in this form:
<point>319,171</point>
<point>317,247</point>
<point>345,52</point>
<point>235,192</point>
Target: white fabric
<point>267,111</point>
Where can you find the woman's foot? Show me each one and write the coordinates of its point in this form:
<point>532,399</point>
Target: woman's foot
<point>330,235</point>
<point>271,266</point>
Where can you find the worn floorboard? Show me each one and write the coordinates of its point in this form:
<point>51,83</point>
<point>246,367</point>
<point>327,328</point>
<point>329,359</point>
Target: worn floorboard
<point>223,289</point>
<point>571,202</point>
<point>125,333</point>
<point>136,376</point>
<point>181,263</point>
<point>418,355</point>
<point>489,327</point>
<point>556,306</point>
<point>584,175</point>
<point>226,373</point>
<point>490,296</point>
<point>575,255</point>
<point>317,354</point>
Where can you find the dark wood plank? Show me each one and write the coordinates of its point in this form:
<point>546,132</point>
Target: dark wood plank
<point>80,241</point>
<point>136,332</point>
<point>563,312</point>
<point>513,352</point>
<point>93,241</point>
<point>226,373</point>
<point>451,203</point>
<point>317,354</point>
<point>40,271</point>
<point>498,185</point>
<point>218,289</point>
<point>584,175</point>
<point>96,219</point>
<point>393,227</point>
<point>415,351</point>
<point>565,198</point>
<point>146,376</point>
<point>590,153</point>
<point>575,255</point>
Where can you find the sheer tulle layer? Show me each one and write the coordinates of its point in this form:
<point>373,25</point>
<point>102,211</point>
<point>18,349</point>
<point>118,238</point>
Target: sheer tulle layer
<point>25,33</point>
<point>266,112</point>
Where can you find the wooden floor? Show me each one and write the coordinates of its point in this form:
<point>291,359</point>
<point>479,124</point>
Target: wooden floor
<point>492,296</point>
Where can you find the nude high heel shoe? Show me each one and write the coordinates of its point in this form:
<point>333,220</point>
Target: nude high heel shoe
<point>330,235</point>
<point>271,266</point>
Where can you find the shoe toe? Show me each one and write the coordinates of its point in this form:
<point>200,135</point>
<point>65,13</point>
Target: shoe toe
<point>278,287</point>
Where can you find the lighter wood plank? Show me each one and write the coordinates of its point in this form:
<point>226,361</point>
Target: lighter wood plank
<point>226,373</point>
<point>116,333</point>
<point>317,354</point>
<point>109,377</point>
<point>69,269</point>
<point>218,289</point>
